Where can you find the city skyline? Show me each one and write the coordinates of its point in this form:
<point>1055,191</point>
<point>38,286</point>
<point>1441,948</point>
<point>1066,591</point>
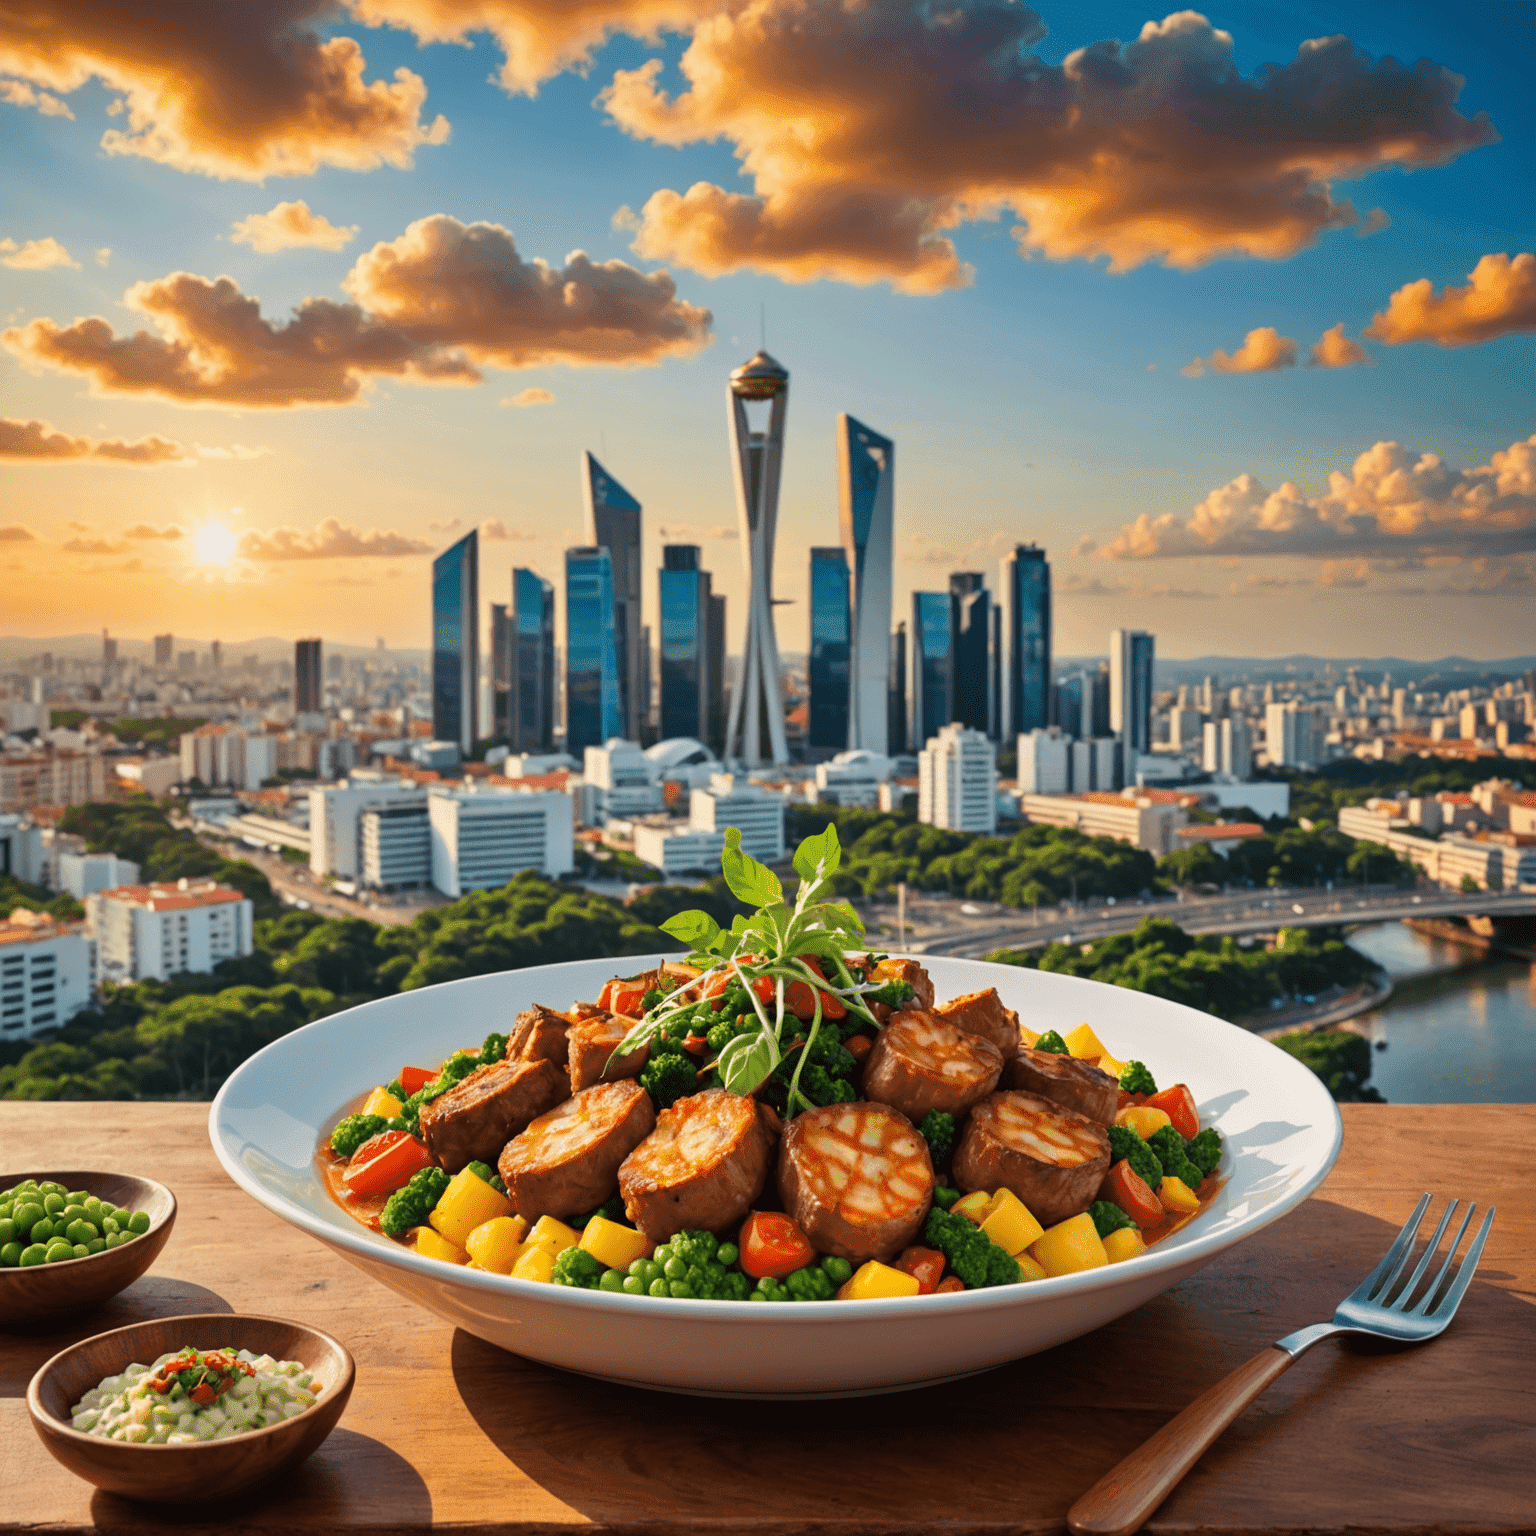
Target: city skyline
<point>1249,401</point>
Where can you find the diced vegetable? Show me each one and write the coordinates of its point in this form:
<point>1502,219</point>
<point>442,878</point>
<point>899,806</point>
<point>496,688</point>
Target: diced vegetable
<point>1029,1269</point>
<point>1127,1189</point>
<point>413,1078</point>
<point>1143,1119</point>
<point>1107,1217</point>
<point>495,1245</point>
<point>1027,1038</point>
<point>434,1245</point>
<point>974,1206</point>
<point>613,1243</point>
<point>800,1000</point>
<point>1169,1148</point>
<point>926,1265</point>
<point>1070,1247</point>
<point>1178,1103</point>
<point>534,1263</point>
<point>1010,1223</point>
<point>385,1162</point>
<point>1123,1244</point>
<point>381,1103</point>
<point>773,1245</point>
<point>352,1131</point>
<point>1051,1041</point>
<point>554,1237</point>
<point>1135,1078</point>
<point>1204,1151</point>
<point>1084,1044</point>
<point>467,1202</point>
<point>1112,1066</point>
<point>1177,1197</point>
<point>874,1280</point>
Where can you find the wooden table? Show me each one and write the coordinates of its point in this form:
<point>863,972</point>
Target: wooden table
<point>445,1430</point>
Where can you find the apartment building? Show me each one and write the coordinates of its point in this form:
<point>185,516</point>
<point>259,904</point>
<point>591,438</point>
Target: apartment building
<point>482,837</point>
<point>757,813</point>
<point>21,849</point>
<point>957,781</point>
<point>396,845</point>
<point>1139,819</point>
<point>335,819</point>
<point>678,850</point>
<point>55,777</point>
<point>47,973</point>
<point>156,931</point>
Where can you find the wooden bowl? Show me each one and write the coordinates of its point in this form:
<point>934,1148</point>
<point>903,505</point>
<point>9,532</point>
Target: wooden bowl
<point>53,1290</point>
<point>185,1474</point>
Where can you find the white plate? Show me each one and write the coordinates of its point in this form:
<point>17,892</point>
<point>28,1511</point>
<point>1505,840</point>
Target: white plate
<point>1282,1135</point>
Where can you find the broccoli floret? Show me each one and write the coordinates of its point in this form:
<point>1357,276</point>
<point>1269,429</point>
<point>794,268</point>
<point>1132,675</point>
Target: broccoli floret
<point>352,1132</point>
<point>408,1207</point>
<point>827,1050</point>
<point>973,1256</point>
<point>720,1035</point>
<point>893,993</point>
<point>668,1078</point>
<point>395,1089</point>
<point>821,1088</point>
<point>1108,1218</point>
<point>690,1264</point>
<point>494,1049</point>
<point>578,1268</point>
<point>1204,1150</point>
<point>1051,1041</point>
<point>1168,1147</point>
<point>487,1175</point>
<point>944,1196</point>
<point>1136,1079</point>
<point>812,1283</point>
<point>768,1289</point>
<point>694,1247</point>
<point>454,1070</point>
<point>938,1130</point>
<point>1126,1143</point>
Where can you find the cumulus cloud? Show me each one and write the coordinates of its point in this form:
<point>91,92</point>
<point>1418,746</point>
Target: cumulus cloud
<point>527,397</point>
<point>1263,350</point>
<point>870,131</point>
<point>1344,574</point>
<point>14,533</point>
<point>35,255</point>
<point>1500,297</point>
<point>289,225</point>
<point>1333,349</point>
<point>1393,502</point>
<point>38,442</point>
<point>150,531</point>
<point>103,255</point>
<point>1377,219</point>
<point>494,528</point>
<point>20,94</point>
<point>431,307</point>
<point>329,540</point>
<point>243,90</point>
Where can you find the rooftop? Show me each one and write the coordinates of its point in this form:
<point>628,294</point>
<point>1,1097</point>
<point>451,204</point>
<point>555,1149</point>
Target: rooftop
<point>178,897</point>
<point>1222,833</point>
<point>25,926</point>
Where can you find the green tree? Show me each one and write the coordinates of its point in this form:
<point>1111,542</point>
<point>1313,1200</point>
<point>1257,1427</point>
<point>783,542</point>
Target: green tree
<point>1196,865</point>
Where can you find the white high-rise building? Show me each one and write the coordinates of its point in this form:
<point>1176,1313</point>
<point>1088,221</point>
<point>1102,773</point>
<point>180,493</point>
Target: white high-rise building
<point>21,849</point>
<point>957,781</point>
<point>83,874</point>
<point>335,844</point>
<point>481,838</point>
<point>1293,735</point>
<point>151,932</point>
<point>47,973</point>
<point>866,480</point>
<point>1235,751</point>
<point>1184,729</point>
<point>621,771</point>
<point>757,813</point>
<point>1045,762</point>
<point>755,733</point>
<point>395,843</point>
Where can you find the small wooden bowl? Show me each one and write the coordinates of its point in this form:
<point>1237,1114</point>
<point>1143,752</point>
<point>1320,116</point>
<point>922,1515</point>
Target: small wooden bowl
<point>53,1290</point>
<point>185,1474</point>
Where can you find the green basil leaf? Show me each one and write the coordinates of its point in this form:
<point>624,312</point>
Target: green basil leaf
<point>749,881</point>
<point>698,930</point>
<point>819,855</point>
<point>747,1062</point>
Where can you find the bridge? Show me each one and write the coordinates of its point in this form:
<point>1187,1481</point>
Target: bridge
<point>988,926</point>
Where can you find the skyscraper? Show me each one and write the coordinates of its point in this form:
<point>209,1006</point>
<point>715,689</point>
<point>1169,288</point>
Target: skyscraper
<point>683,593</point>
<point>866,479</point>
<point>828,661</point>
<point>592,705</point>
<point>308,689</point>
<point>714,685</point>
<point>756,730</point>
<point>970,607</point>
<point>896,718</point>
<point>1026,658</point>
<point>163,644</point>
<point>613,521</point>
<point>531,663</point>
<point>1130,692</point>
<point>1069,705</point>
<point>216,655</point>
<point>501,667</point>
<point>931,655</point>
<point>456,643</point>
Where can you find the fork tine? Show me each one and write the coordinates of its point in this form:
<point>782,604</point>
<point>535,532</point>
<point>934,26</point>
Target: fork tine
<point>1393,1256</point>
<point>1450,1253</point>
<point>1406,1294</point>
<point>1447,1307</point>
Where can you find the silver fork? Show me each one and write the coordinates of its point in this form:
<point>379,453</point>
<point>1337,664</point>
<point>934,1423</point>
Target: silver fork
<point>1125,1497</point>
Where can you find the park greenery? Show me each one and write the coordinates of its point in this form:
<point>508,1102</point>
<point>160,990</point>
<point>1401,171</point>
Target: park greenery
<point>1322,795</point>
<point>1341,1058</point>
<point>132,730</point>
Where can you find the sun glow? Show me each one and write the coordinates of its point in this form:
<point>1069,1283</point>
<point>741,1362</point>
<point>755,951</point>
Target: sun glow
<point>215,544</point>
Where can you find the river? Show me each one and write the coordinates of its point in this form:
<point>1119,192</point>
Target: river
<point>1458,1028</point>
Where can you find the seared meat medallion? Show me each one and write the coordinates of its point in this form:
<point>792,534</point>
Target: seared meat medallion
<point>539,1035</point>
<point>982,1013</point>
<point>476,1118</point>
<point>1065,1080</point>
<point>858,1179</point>
<point>894,968</point>
<point>1051,1157</point>
<point>591,1042</point>
<point>919,1063</point>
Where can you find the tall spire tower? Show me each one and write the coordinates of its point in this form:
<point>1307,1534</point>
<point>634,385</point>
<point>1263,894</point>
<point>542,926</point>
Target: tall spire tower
<point>866,474</point>
<point>756,731</point>
<point>613,523</point>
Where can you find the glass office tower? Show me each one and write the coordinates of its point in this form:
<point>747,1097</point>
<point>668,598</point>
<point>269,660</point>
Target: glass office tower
<point>828,666</point>
<point>501,652</point>
<point>896,719</point>
<point>592,712</point>
<point>530,663</point>
<point>1026,653</point>
<point>1130,692</point>
<point>714,684</point>
<point>613,521</point>
<point>683,592</point>
<point>970,606</point>
<point>308,689</point>
<point>1069,705</point>
<point>456,644</point>
<point>931,654</point>
<point>866,478</point>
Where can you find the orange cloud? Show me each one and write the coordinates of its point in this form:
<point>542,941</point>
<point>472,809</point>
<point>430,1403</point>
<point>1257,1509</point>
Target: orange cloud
<point>1499,298</point>
<point>149,531</point>
<point>431,306</point>
<point>38,442</point>
<point>1263,350</point>
<point>35,255</point>
<point>288,225</point>
<point>1333,349</point>
<point>242,90</point>
<point>871,131</point>
<point>14,533</point>
<point>1392,503</point>
<point>531,396</point>
<point>20,94</point>
<point>330,540</point>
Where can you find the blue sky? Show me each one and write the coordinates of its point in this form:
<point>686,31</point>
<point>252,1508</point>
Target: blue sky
<point>1044,401</point>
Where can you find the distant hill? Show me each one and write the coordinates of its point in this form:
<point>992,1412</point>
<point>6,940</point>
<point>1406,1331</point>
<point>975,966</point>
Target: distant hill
<point>14,648</point>
<point>1173,670</point>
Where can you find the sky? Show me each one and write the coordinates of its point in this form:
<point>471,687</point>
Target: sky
<point>1231,310</point>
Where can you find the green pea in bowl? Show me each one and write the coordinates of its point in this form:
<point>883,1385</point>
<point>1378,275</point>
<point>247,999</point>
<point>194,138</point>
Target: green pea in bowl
<point>37,1286</point>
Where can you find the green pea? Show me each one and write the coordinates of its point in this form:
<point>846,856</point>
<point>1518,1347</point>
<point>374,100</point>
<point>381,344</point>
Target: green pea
<point>679,1289</point>
<point>80,1232</point>
<point>675,1269</point>
<point>634,1285</point>
<point>612,1280</point>
<point>48,1187</point>
<point>7,1207</point>
<point>28,1215</point>
<point>94,1245</point>
<point>72,1212</point>
<point>837,1270</point>
<point>58,1250</point>
<point>658,1288</point>
<point>727,1254</point>
<point>127,1237</point>
<point>10,1255</point>
<point>756,1296</point>
<point>93,1207</point>
<point>139,1221</point>
<point>7,1229</point>
<point>113,1239</point>
<point>36,1254</point>
<point>79,1196</point>
<point>109,1225</point>
<point>53,1203</point>
<point>81,1251</point>
<point>42,1231</point>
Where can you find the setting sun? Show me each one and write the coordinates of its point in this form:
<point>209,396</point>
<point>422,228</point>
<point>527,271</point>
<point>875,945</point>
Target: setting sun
<point>215,544</point>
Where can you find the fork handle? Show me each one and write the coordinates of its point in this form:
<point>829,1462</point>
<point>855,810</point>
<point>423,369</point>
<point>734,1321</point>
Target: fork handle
<point>1124,1498</point>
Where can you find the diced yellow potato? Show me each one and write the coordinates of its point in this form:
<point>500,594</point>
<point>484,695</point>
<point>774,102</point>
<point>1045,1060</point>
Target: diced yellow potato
<point>1176,1196</point>
<point>534,1264</point>
<point>434,1245</point>
<point>495,1244</point>
<point>381,1102</point>
<point>615,1244</point>
<point>974,1206</point>
<point>467,1203</point>
<point>1027,1037</point>
<point>1123,1243</point>
<point>1010,1223</point>
<point>1028,1269</point>
<point>1143,1119</point>
<point>552,1236</point>
<point>1084,1044</point>
<point>1113,1067</point>
<point>873,1279</point>
<point>1070,1246</point>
